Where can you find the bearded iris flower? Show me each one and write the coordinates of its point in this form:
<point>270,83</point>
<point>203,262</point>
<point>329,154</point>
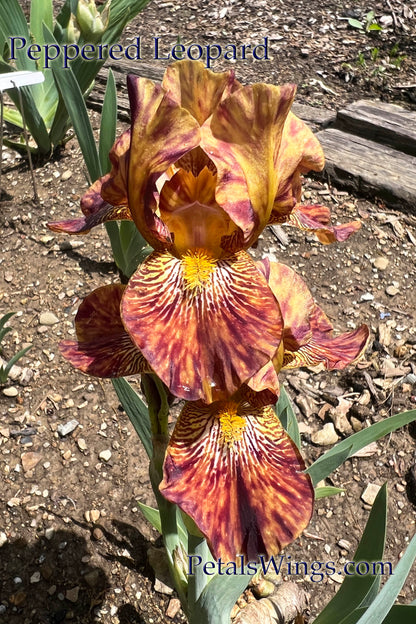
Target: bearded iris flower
<point>234,453</point>
<point>206,165</point>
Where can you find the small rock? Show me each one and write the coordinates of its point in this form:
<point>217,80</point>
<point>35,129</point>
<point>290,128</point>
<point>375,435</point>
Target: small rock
<point>67,455</point>
<point>3,538</point>
<point>337,577</point>
<point>67,428</point>
<point>392,290</point>
<point>370,493</point>
<point>18,598</point>
<point>345,544</point>
<point>72,594</point>
<point>326,436</point>
<point>11,391</point>
<point>49,533</point>
<point>92,578</point>
<point>66,175</point>
<point>35,578</point>
<point>356,424</point>
<point>8,277</point>
<point>48,318</point>
<point>82,445</point>
<point>381,263</point>
<point>105,455</point>
<point>173,608</point>
<point>30,460</point>
<point>97,533</point>
<point>367,297</point>
<point>94,515</point>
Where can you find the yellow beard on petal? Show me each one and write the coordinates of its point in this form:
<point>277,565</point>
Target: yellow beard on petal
<point>197,266</point>
<point>232,425</point>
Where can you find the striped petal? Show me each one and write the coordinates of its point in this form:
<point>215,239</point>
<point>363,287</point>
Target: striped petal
<point>205,325</point>
<point>103,347</point>
<point>162,132</point>
<point>238,475</point>
<point>95,209</point>
<point>114,188</point>
<point>307,333</point>
<point>196,88</point>
<point>300,151</point>
<point>317,219</point>
<point>243,139</point>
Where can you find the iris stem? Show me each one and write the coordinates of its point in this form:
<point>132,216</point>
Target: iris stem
<point>176,551</point>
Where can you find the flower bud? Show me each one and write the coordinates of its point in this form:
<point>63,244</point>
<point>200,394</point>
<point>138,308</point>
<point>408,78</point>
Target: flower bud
<point>72,32</point>
<point>92,23</point>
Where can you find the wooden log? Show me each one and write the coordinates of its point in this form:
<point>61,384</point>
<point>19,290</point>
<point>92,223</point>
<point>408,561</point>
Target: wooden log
<point>369,168</point>
<point>382,122</point>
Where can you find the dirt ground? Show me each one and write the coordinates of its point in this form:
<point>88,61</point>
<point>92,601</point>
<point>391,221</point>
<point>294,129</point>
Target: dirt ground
<point>73,545</point>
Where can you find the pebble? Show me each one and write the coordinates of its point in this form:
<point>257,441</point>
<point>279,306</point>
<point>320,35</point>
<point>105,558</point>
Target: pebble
<point>72,594</point>
<point>35,578</point>
<point>97,533</point>
<point>30,460</point>
<point>48,318</point>
<point>105,455</point>
<point>381,263</point>
<point>3,538</point>
<point>49,533</point>
<point>326,436</point>
<point>66,175</point>
<point>92,515</point>
<point>392,290</point>
<point>82,445</point>
<point>173,608</point>
<point>370,493</point>
<point>67,428</point>
<point>92,578</point>
<point>367,297</point>
<point>11,391</point>
<point>345,544</point>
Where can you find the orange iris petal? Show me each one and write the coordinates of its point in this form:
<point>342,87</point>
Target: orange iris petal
<point>317,220</point>
<point>103,347</point>
<point>204,325</point>
<point>238,475</point>
<point>307,333</point>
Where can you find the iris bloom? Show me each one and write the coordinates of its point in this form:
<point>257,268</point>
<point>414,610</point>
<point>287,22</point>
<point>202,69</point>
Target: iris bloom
<point>232,454</point>
<point>206,165</point>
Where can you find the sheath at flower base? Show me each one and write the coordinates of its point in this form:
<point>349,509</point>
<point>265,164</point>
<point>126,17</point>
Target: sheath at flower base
<point>199,174</point>
<point>235,457</point>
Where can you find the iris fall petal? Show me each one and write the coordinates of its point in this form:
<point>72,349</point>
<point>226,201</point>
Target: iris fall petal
<point>204,325</point>
<point>238,475</point>
<point>103,347</point>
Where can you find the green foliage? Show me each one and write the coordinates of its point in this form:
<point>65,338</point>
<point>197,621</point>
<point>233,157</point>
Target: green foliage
<point>79,22</point>
<point>5,370</point>
<point>368,25</point>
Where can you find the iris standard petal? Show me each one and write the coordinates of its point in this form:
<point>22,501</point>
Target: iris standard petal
<point>196,88</point>
<point>103,347</point>
<point>238,475</point>
<point>161,133</point>
<point>204,325</point>
<point>243,139</point>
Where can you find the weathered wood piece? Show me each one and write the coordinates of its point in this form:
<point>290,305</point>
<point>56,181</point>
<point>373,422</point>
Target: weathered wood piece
<point>382,122</point>
<point>369,168</point>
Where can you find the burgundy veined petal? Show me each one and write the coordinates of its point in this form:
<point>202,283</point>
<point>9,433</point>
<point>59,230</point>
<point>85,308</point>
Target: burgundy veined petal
<point>83,225</point>
<point>161,133</point>
<point>203,342</point>
<point>196,88</point>
<point>308,333</point>
<point>103,347</point>
<point>317,219</point>
<point>238,475</point>
<point>243,138</point>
